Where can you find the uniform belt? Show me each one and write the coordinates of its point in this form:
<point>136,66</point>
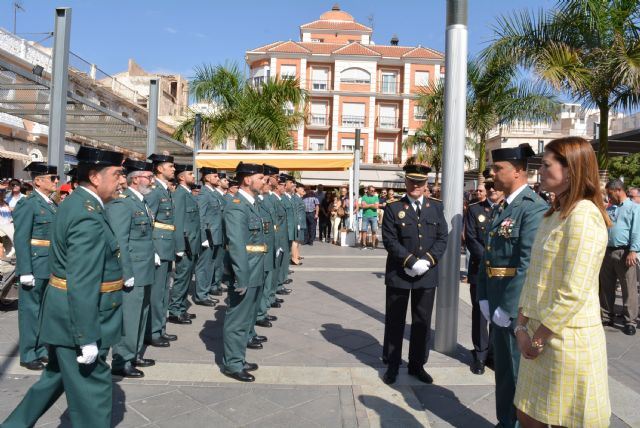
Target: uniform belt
<point>163,226</point>
<point>262,248</point>
<point>40,242</point>
<point>494,272</point>
<point>105,287</point>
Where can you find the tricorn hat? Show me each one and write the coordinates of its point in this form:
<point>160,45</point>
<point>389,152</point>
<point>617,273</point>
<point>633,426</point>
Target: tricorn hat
<point>93,156</point>
<point>41,168</point>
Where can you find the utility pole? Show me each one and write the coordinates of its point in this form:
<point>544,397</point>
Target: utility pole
<point>17,6</point>
<point>455,105</point>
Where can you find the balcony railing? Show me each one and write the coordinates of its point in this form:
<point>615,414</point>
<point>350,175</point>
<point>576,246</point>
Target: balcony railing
<point>320,85</point>
<point>386,158</point>
<point>353,121</point>
<point>388,122</point>
<point>318,119</point>
<point>389,87</point>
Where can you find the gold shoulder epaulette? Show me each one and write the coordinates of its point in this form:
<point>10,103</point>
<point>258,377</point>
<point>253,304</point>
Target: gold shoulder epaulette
<point>122,195</point>
<point>89,206</point>
<point>436,199</point>
<point>236,201</point>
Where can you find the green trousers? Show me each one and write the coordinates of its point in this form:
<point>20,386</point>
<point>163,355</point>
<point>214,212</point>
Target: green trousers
<point>158,302</point>
<point>204,274</point>
<point>238,322</point>
<point>265,297</point>
<point>178,296</point>
<point>135,311</point>
<point>29,301</point>
<point>218,268</point>
<point>87,387</point>
<point>506,358</point>
<point>284,266</point>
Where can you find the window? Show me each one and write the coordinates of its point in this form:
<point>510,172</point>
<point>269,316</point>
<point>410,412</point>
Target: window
<point>387,117</point>
<point>386,150</point>
<point>174,89</point>
<point>419,113</point>
<point>353,115</point>
<point>125,114</point>
<point>316,144</point>
<point>288,72</point>
<point>288,108</point>
<point>389,82</point>
<point>349,144</point>
<point>422,78</point>
<point>355,75</point>
<point>320,79</point>
<point>258,75</point>
<point>319,114</point>
<point>317,40</point>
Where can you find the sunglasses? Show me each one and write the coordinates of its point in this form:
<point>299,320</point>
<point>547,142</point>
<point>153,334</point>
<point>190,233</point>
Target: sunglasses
<point>53,178</point>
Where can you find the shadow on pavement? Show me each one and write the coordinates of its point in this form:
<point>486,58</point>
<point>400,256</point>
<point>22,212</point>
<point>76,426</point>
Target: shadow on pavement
<point>211,334</point>
<point>353,341</point>
<point>390,414</point>
<point>446,405</point>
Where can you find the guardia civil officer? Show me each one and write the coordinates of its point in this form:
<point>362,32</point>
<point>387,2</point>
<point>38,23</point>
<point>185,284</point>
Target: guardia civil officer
<point>511,232</point>
<point>246,251</point>
<point>32,218</point>
<point>161,206</point>
<point>414,233</point>
<point>292,226</point>
<point>188,243</point>
<point>219,254</point>
<point>132,224</point>
<point>210,208</point>
<point>82,305</point>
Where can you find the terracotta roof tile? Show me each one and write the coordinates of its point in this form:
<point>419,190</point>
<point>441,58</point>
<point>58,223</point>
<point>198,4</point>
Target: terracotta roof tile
<point>321,48</point>
<point>421,52</point>
<point>265,47</point>
<point>391,51</point>
<point>355,49</point>
<point>322,24</point>
<point>337,15</point>
<point>289,47</point>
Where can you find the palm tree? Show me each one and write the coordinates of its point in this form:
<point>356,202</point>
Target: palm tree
<point>258,117</point>
<point>497,95</point>
<point>588,48</point>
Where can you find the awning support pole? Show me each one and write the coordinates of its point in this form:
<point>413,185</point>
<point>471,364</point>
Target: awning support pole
<point>152,123</point>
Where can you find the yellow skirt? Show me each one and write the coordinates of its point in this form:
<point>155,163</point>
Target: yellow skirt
<point>567,384</point>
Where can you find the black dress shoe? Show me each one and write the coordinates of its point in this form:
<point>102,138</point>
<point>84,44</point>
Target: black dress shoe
<point>608,323</point>
<point>217,293</point>
<point>128,371</point>
<point>44,359</point>
<point>279,300</point>
<point>477,367</point>
<point>242,376</point>
<point>489,362</point>
<point>250,367</point>
<point>629,330</point>
<point>291,262</point>
<point>271,318</point>
<point>291,272</point>
<point>143,362</point>
<point>160,342</point>
<point>189,315</point>
<point>204,303</point>
<point>182,319</point>
<point>214,300</point>
<point>288,281</point>
<point>169,337</point>
<point>33,365</point>
<point>276,305</point>
<point>284,291</point>
<point>264,323</point>
<point>421,374</point>
<point>390,375</point>
<point>260,339</point>
<point>254,344</point>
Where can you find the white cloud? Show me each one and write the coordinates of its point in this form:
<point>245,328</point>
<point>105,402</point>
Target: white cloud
<point>170,30</point>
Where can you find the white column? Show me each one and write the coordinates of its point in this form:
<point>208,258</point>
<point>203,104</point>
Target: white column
<point>303,73</point>
<point>335,123</point>
<point>407,79</point>
<point>371,128</point>
<point>436,71</point>
<point>272,68</point>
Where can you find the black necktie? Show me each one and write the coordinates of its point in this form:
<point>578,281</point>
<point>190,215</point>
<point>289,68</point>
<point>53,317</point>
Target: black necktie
<point>417,208</point>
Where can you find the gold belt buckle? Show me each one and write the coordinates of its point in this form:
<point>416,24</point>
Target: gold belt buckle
<point>105,287</point>
<point>164,226</point>
<point>500,272</point>
<point>40,243</point>
<point>260,248</point>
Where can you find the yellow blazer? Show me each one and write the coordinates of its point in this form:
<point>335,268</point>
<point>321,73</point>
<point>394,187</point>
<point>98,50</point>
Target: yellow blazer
<point>561,287</point>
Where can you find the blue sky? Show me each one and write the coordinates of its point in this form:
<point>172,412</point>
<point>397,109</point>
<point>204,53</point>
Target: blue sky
<point>172,36</point>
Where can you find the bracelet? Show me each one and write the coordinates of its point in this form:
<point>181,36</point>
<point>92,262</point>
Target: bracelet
<point>519,327</point>
<point>537,343</point>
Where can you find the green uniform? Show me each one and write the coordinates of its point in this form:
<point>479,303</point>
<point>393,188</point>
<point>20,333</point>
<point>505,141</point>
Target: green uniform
<point>32,219</point>
<point>270,222</point>
<point>292,225</point>
<point>129,218</point>
<point>282,242</point>
<point>210,208</point>
<point>301,217</point>
<point>82,304</point>
<point>511,233</point>
<point>187,222</point>
<point>161,207</point>
<point>246,249</point>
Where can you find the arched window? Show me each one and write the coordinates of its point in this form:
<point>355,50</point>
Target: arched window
<point>355,75</point>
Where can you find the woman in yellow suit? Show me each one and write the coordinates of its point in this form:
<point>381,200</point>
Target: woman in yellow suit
<point>562,379</point>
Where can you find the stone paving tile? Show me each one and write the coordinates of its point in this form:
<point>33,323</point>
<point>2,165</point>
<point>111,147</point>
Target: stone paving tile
<point>324,411</point>
<point>246,408</point>
<point>203,417</point>
<point>164,406</point>
<point>283,418</point>
<point>292,397</point>
<point>213,395</point>
<point>458,405</point>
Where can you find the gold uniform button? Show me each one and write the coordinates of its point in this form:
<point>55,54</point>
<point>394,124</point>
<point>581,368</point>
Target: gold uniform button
<point>419,225</point>
<point>488,263</point>
<point>419,236</point>
<point>419,248</point>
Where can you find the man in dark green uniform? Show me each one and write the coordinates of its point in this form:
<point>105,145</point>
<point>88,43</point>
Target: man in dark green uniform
<point>246,249</point>
<point>32,218</point>
<point>292,225</point>
<point>218,260</point>
<point>511,232</point>
<point>82,305</point>
<point>210,208</point>
<point>131,222</point>
<point>161,206</point>
<point>188,243</point>
<point>277,183</point>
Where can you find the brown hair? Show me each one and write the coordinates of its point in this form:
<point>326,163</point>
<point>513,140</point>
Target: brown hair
<point>577,155</point>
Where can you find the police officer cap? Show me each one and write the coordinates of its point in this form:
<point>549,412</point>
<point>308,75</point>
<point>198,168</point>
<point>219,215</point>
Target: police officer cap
<point>222,175</point>
<point>180,168</point>
<point>131,165</point>
<point>73,172</point>
<point>156,158</point>
<point>270,169</point>
<point>522,152</point>
<point>208,170</point>
<point>286,177</point>
<point>249,169</point>
<point>416,172</point>
<point>233,182</point>
<point>93,156</point>
<point>41,168</point>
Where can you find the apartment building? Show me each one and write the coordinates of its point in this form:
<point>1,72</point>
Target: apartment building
<point>353,83</point>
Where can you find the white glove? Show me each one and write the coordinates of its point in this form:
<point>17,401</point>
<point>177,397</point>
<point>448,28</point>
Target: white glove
<point>501,318</point>
<point>484,308</point>
<point>157,260</point>
<point>27,280</point>
<point>278,252</point>
<point>89,353</point>
<point>298,227</point>
<point>410,272</point>
<point>421,267</point>
<point>180,254</point>
<point>129,282</point>
<point>241,291</point>
<point>205,244</point>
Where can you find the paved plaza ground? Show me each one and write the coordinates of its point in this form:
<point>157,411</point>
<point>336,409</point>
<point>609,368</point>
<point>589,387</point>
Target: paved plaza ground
<point>320,367</point>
